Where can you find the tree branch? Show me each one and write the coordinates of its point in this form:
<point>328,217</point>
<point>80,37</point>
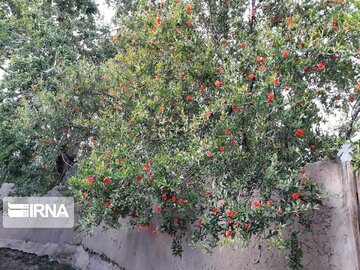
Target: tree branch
<point>354,116</point>
<point>4,69</point>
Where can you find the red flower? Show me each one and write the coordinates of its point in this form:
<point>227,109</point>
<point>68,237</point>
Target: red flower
<point>158,20</point>
<point>222,148</point>
<point>91,180</point>
<point>257,204</point>
<point>259,58</point>
<point>285,54</point>
<point>230,213</point>
<point>173,198</point>
<point>188,98</point>
<point>227,131</point>
<point>243,44</point>
<point>164,197</point>
<point>276,80</point>
<point>302,171</point>
<point>214,210</point>
<point>276,20</point>
<point>320,66</point>
<point>295,196</point>
<point>249,94</point>
<point>181,201</point>
<point>207,193</point>
<point>188,23</point>
<point>279,211</point>
<point>202,88</point>
<point>270,203</point>
<point>107,204</point>
<point>188,9</point>
<point>247,225</point>
<point>288,20</point>
<point>218,83</point>
<point>146,167</point>
<point>299,132</point>
<point>228,234</point>
<point>106,181</point>
<point>158,208</point>
<point>154,232</point>
<point>261,68</point>
<point>138,178</point>
<point>199,222</point>
<point>251,76</point>
<point>270,97</point>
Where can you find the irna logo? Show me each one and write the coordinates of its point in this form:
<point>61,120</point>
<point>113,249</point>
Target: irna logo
<point>37,210</point>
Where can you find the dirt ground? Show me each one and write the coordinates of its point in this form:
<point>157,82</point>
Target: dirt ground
<point>17,260</point>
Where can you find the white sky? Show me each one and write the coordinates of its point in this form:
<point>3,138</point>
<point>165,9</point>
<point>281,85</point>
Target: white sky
<point>107,12</point>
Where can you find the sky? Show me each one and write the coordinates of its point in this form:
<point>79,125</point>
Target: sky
<point>107,12</point>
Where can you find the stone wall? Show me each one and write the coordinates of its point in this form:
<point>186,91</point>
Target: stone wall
<point>332,244</point>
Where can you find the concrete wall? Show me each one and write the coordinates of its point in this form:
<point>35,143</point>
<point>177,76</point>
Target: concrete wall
<point>332,244</point>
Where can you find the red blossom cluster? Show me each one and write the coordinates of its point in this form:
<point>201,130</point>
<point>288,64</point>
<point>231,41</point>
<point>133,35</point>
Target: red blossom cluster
<point>317,67</point>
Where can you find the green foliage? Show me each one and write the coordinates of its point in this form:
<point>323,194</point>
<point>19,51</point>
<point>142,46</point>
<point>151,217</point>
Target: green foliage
<point>296,252</point>
<point>356,156</point>
<point>185,136</point>
<point>38,39</point>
